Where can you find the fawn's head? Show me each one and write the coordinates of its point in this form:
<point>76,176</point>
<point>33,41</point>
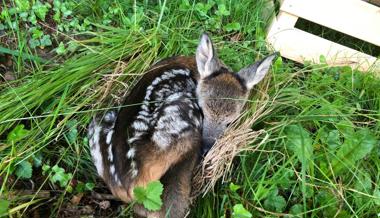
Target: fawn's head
<point>222,93</point>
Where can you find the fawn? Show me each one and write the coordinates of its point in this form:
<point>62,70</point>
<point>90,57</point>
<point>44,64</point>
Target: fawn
<point>178,108</point>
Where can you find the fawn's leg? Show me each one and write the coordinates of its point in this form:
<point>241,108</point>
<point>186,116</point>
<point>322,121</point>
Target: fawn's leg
<point>177,183</point>
<point>177,188</point>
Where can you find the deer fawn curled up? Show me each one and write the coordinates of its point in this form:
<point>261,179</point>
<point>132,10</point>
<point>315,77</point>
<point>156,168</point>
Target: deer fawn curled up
<point>178,108</point>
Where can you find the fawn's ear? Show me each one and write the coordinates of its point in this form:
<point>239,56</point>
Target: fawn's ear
<point>207,61</point>
<point>254,73</point>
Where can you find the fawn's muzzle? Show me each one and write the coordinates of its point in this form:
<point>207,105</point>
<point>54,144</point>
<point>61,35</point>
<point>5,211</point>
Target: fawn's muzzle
<point>210,133</point>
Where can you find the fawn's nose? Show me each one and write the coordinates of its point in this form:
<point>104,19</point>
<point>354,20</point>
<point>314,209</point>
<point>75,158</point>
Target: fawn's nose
<point>210,133</point>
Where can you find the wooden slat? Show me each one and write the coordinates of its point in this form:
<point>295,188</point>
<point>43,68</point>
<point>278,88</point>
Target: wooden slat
<point>299,46</point>
<point>282,22</point>
<point>352,17</point>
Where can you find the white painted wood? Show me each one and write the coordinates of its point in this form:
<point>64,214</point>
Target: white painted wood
<point>352,17</point>
<point>299,46</point>
<point>282,22</point>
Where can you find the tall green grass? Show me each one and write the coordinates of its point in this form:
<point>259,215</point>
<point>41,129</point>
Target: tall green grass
<point>322,155</point>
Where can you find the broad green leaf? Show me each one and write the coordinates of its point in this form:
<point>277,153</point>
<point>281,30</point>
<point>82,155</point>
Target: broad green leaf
<point>33,43</point>
<point>140,194</point>
<point>234,26</point>
<point>69,189</point>
<point>22,5</point>
<point>154,191</point>
<point>285,181</point>
<point>327,200</point>
<point>300,143</point>
<point>89,186</point>
<point>222,10</point>
<point>346,128</point>
<point>45,169</point>
<point>333,139</point>
<point>376,194</point>
<point>202,8</point>
<point>363,184</point>
<point>4,14</point>
<point>240,212</point>
<point>37,159</point>
<point>24,170</point>
<point>4,206</point>
<point>234,187</point>
<point>275,202</point>
<point>185,5</point>
<point>72,46</point>
<point>65,11</point>
<point>57,16</point>
<point>296,209</point>
<point>17,134</point>
<point>33,19</point>
<point>355,147</point>
<point>60,176</point>
<point>72,133</point>
<point>45,41</point>
<point>41,9</point>
<point>36,33</point>
<point>80,187</point>
<point>61,49</point>
<point>150,196</point>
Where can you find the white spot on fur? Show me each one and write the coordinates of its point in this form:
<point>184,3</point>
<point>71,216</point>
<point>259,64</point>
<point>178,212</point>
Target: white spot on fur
<point>110,116</point>
<point>95,151</point>
<point>144,113</point>
<point>131,153</point>
<point>145,106</point>
<point>90,131</point>
<point>112,169</point>
<point>147,95</point>
<point>164,77</point>
<point>133,170</point>
<point>109,137</point>
<point>118,182</point>
<point>156,81</point>
<point>172,110</point>
<point>133,165</point>
<point>161,139</point>
<point>144,118</point>
<point>174,97</point>
<point>110,154</point>
<point>134,173</point>
<point>136,137</point>
<point>139,125</point>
